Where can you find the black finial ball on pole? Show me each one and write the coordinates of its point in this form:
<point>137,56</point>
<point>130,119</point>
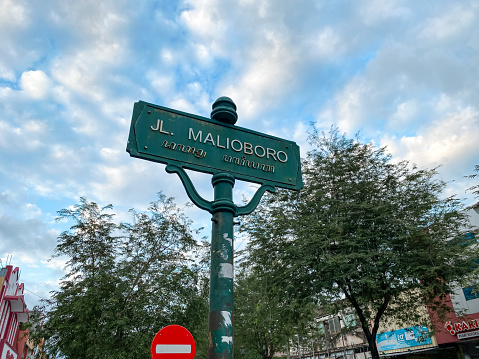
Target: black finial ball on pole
<point>224,110</point>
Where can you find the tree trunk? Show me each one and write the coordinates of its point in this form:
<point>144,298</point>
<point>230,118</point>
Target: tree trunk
<point>373,348</point>
<point>369,332</point>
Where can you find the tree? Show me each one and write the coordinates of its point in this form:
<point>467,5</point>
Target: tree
<point>124,282</point>
<point>366,229</point>
<point>76,324</point>
<point>265,319</point>
<point>159,280</point>
<point>475,188</point>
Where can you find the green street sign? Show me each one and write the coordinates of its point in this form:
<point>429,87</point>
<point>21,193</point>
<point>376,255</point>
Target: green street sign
<point>201,144</point>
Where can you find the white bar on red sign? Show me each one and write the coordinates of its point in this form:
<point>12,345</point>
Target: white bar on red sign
<point>173,349</point>
<point>468,334</point>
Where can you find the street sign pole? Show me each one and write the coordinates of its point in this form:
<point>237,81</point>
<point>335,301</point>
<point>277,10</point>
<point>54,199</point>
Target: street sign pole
<point>221,275</point>
<point>216,146</point>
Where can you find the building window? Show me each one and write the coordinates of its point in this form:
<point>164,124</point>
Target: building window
<point>332,325</point>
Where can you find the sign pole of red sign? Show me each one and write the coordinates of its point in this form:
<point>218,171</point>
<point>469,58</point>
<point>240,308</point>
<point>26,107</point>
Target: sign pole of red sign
<point>173,342</point>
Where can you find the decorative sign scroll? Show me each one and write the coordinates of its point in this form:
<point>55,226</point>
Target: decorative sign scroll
<point>201,144</point>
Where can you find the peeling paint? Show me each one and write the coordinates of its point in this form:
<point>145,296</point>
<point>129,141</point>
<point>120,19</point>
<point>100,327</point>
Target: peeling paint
<point>225,236</point>
<point>226,318</point>
<point>226,339</point>
<point>224,254</point>
<point>226,270</point>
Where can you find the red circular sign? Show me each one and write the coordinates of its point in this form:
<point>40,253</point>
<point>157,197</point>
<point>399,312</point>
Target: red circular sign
<point>173,342</point>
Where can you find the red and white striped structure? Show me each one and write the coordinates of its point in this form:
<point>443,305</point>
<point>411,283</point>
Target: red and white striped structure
<point>13,311</point>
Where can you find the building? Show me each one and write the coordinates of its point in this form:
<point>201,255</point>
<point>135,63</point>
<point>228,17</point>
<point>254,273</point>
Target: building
<point>13,311</point>
<point>341,337</point>
<point>336,336</point>
<point>456,336</point>
<point>459,331</point>
<point>26,347</point>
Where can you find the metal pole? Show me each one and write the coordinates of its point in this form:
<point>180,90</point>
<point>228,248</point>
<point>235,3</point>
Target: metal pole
<point>342,337</point>
<point>312,343</point>
<point>326,335</point>
<point>221,276</point>
<point>299,348</point>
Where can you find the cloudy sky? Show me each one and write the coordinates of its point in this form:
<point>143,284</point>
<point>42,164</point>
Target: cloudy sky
<point>402,72</point>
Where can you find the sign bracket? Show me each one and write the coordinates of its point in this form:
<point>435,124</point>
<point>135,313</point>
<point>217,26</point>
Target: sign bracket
<point>253,203</point>
<point>190,188</point>
<point>210,206</point>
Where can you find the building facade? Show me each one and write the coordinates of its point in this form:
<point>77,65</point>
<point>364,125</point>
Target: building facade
<point>460,328</point>
<point>336,336</point>
<point>13,311</point>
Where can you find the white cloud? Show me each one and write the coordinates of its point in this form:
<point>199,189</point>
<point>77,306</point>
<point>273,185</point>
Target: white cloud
<point>378,11</point>
<point>266,80</point>
<point>451,142</point>
<point>205,19</point>
<point>57,263</point>
<point>17,234</point>
<point>36,84</point>
<point>347,109</point>
<point>327,44</point>
<point>168,56</point>
<point>32,210</point>
<point>258,44</point>
<point>84,121</point>
<point>79,74</point>
<point>13,13</point>
<point>454,19</point>
<point>110,153</point>
<point>6,73</point>
<point>28,135</point>
<point>85,69</point>
<point>402,72</point>
<point>182,104</point>
<point>300,136</point>
<point>405,112</point>
<point>162,84</point>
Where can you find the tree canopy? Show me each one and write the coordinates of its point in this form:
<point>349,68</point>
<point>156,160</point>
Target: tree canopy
<point>124,282</point>
<point>475,188</point>
<point>366,229</point>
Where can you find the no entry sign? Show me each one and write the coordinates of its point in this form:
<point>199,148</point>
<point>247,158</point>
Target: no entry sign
<point>173,342</point>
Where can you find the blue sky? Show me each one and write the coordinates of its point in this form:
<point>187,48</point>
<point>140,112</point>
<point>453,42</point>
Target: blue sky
<point>404,73</point>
